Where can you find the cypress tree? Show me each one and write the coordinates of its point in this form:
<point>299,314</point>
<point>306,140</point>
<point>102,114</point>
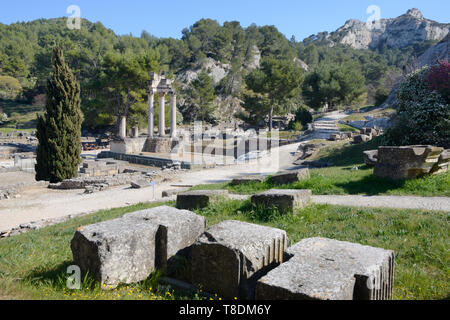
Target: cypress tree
<point>59,130</point>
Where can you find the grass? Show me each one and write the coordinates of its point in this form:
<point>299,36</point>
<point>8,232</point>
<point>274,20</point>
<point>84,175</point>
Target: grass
<point>33,265</point>
<point>343,179</point>
<point>346,128</point>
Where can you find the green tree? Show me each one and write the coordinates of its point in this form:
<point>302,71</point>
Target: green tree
<point>277,80</point>
<point>334,84</point>
<point>200,99</point>
<point>59,130</point>
<point>10,88</point>
<point>121,82</point>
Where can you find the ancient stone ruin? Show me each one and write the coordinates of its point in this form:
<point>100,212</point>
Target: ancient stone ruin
<point>282,200</point>
<point>290,177</point>
<point>408,162</point>
<point>232,259</point>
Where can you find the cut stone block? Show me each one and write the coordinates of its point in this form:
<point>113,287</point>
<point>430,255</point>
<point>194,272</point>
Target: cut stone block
<point>199,198</point>
<point>309,279</point>
<point>230,257</point>
<point>173,192</point>
<point>443,163</point>
<point>140,184</point>
<point>183,227</point>
<point>290,177</point>
<point>119,251</point>
<point>370,157</point>
<point>407,162</point>
<point>322,268</point>
<point>247,179</point>
<point>362,138</point>
<point>283,200</point>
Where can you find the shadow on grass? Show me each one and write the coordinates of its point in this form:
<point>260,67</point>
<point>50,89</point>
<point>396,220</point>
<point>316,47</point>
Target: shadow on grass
<point>351,154</point>
<point>371,185</point>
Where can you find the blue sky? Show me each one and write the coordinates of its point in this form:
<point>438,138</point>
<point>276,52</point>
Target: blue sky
<point>163,18</point>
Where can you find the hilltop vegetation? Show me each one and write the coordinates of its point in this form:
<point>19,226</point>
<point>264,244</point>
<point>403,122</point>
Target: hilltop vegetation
<point>113,70</point>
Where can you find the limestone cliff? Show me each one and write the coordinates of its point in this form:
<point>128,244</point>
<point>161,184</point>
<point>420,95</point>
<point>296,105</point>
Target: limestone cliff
<point>398,32</point>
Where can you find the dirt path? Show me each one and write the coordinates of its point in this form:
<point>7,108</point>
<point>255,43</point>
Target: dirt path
<point>395,202</point>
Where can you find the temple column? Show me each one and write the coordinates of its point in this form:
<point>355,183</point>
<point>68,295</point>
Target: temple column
<point>162,102</point>
<point>151,114</point>
<point>173,116</point>
<point>123,128</point>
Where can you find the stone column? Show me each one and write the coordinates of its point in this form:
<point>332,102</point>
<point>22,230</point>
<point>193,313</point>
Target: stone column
<point>162,102</point>
<point>123,128</point>
<point>135,132</point>
<point>173,115</point>
<point>151,114</point>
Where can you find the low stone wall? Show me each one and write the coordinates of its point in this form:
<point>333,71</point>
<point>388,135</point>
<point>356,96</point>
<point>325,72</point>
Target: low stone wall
<point>143,160</point>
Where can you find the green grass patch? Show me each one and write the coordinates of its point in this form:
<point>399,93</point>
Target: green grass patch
<point>346,128</point>
<point>347,181</point>
<point>33,265</point>
<point>20,114</point>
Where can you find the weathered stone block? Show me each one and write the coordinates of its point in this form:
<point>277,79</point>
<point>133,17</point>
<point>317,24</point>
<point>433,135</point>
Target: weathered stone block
<point>407,162</point>
<point>370,157</point>
<point>140,184</point>
<point>247,179</point>
<point>173,192</point>
<point>119,251</point>
<point>183,227</point>
<point>199,198</point>
<point>443,163</point>
<point>283,200</point>
<point>290,177</point>
<point>310,279</point>
<point>229,257</point>
<point>322,268</point>
<point>361,138</point>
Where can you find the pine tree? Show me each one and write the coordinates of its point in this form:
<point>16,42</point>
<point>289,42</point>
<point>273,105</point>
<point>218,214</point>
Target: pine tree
<point>59,130</point>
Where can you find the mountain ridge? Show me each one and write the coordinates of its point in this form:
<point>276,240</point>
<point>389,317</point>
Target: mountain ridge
<point>407,29</point>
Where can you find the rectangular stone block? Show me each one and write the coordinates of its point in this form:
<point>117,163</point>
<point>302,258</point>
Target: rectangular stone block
<point>309,279</point>
<point>119,251</point>
<point>322,268</point>
<point>199,198</point>
<point>247,180</point>
<point>231,256</point>
<point>183,227</point>
<point>290,177</point>
<point>283,200</point>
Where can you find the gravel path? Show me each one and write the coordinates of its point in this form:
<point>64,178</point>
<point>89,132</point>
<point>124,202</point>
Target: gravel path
<point>396,202</point>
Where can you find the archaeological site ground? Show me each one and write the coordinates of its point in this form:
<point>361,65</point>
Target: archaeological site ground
<point>228,163</point>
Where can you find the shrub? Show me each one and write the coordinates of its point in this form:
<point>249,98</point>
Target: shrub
<point>423,114</point>
<point>438,79</point>
<point>303,116</point>
<point>380,96</point>
<point>10,88</point>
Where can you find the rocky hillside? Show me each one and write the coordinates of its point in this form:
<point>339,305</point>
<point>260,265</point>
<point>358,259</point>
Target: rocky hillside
<point>398,32</point>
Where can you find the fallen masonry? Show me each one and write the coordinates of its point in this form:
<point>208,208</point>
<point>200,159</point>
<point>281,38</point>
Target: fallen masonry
<point>128,249</point>
<point>183,227</point>
<point>229,257</point>
<point>290,177</point>
<point>173,192</point>
<point>247,180</point>
<point>327,269</point>
<point>283,200</point>
<point>200,198</point>
<point>408,162</point>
